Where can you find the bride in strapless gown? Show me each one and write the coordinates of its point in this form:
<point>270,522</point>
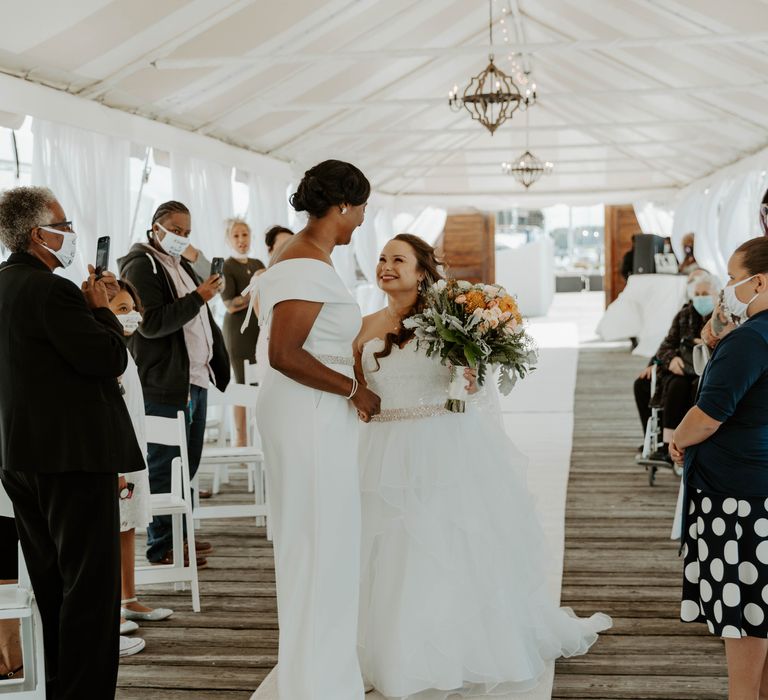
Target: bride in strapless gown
<point>454,566</point>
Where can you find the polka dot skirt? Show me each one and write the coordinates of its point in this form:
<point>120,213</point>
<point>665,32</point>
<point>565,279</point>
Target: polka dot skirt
<point>725,582</point>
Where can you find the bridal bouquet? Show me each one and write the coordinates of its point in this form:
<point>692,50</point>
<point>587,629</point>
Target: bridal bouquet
<point>474,325</point>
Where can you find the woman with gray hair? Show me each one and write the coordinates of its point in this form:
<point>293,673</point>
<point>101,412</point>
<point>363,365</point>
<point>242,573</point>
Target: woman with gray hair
<point>676,388</point>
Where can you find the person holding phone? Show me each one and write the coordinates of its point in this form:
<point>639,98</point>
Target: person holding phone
<point>238,271</point>
<point>102,256</point>
<point>178,350</point>
<point>65,433</point>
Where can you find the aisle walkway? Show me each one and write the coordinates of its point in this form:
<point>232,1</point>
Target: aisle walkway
<point>619,558</point>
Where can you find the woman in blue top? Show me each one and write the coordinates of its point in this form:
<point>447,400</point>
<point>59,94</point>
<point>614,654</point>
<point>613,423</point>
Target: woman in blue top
<point>724,442</point>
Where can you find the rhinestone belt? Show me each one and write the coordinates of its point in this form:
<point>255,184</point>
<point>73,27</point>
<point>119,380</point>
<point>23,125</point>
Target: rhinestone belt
<point>335,360</point>
<point>390,414</point>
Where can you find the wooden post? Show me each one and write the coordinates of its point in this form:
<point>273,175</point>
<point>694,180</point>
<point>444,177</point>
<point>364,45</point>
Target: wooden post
<point>468,246</point>
<point>620,225</point>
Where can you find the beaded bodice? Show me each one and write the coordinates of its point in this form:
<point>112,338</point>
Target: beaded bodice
<point>407,379</point>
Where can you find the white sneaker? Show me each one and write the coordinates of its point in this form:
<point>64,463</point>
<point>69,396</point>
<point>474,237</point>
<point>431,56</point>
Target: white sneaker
<point>131,645</point>
<point>128,626</point>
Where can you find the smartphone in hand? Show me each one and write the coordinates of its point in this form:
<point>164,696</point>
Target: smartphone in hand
<point>217,266</point>
<point>102,256</point>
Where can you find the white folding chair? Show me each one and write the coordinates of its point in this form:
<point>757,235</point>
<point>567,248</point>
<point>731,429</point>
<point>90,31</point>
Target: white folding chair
<point>215,459</point>
<point>17,602</point>
<point>177,504</point>
<point>251,373</point>
<point>217,427</point>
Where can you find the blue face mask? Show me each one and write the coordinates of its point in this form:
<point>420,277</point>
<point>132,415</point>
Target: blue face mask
<point>704,305</point>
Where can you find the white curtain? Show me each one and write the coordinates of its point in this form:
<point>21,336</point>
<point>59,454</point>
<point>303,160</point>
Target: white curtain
<point>429,224</point>
<point>89,174</point>
<point>206,188</point>
<point>367,246</point>
<point>343,258</point>
<point>654,218</point>
<point>368,242</point>
<point>722,214</point>
<point>267,207</point>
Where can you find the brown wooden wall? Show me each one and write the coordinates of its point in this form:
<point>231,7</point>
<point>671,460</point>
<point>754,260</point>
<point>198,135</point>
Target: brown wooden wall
<point>467,246</point>
<point>620,225</point>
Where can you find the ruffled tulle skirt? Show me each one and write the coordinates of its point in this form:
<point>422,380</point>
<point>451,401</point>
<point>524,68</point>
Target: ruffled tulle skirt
<point>454,595</point>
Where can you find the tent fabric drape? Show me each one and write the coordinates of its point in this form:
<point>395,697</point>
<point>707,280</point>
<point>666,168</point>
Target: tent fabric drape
<point>89,174</point>
<point>723,214</point>
<point>206,188</point>
<point>654,218</point>
<point>267,207</point>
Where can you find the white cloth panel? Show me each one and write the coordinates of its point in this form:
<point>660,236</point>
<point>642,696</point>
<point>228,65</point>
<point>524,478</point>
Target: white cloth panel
<point>654,218</point>
<point>367,246</point>
<point>89,174</point>
<point>206,188</point>
<point>529,273</point>
<point>644,310</point>
<point>427,224</point>
<point>723,213</point>
<point>343,258</point>
<point>368,242</point>
<point>267,207</point>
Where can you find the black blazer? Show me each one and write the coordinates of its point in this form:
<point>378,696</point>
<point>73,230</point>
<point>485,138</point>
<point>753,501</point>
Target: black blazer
<point>60,403</point>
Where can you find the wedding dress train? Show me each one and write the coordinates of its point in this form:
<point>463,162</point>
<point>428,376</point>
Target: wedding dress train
<point>454,599</point>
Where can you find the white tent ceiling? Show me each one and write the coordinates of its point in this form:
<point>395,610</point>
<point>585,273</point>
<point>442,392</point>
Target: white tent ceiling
<point>637,98</point>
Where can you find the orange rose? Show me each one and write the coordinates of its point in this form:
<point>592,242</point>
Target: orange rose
<point>508,303</point>
<point>475,300</point>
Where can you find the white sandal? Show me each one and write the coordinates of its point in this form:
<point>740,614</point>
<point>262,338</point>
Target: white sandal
<point>152,616</point>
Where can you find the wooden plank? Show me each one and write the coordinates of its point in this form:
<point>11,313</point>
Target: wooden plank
<point>636,687</point>
<point>619,558</point>
<point>467,246</point>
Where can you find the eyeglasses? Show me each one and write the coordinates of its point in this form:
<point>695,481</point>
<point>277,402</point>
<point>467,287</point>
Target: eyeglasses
<point>65,226</point>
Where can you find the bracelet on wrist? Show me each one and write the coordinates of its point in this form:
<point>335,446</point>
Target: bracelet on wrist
<point>355,386</point>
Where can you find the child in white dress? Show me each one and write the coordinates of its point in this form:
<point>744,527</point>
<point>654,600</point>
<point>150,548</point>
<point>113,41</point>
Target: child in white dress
<point>134,486</point>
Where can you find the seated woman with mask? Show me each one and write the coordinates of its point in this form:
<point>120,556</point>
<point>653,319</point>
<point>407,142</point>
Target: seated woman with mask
<point>677,380</point>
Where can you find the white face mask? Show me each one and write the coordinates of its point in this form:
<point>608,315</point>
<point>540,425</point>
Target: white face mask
<point>130,321</point>
<point>66,253</point>
<point>733,305</point>
<point>172,243</point>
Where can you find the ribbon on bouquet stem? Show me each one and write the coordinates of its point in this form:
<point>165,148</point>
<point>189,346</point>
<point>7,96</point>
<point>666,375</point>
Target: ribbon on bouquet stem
<point>457,391</point>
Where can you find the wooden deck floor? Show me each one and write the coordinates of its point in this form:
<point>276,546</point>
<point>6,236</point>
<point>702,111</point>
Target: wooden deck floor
<point>618,559</point>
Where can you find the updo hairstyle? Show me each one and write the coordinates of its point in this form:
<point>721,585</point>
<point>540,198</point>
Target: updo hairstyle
<point>329,184</point>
